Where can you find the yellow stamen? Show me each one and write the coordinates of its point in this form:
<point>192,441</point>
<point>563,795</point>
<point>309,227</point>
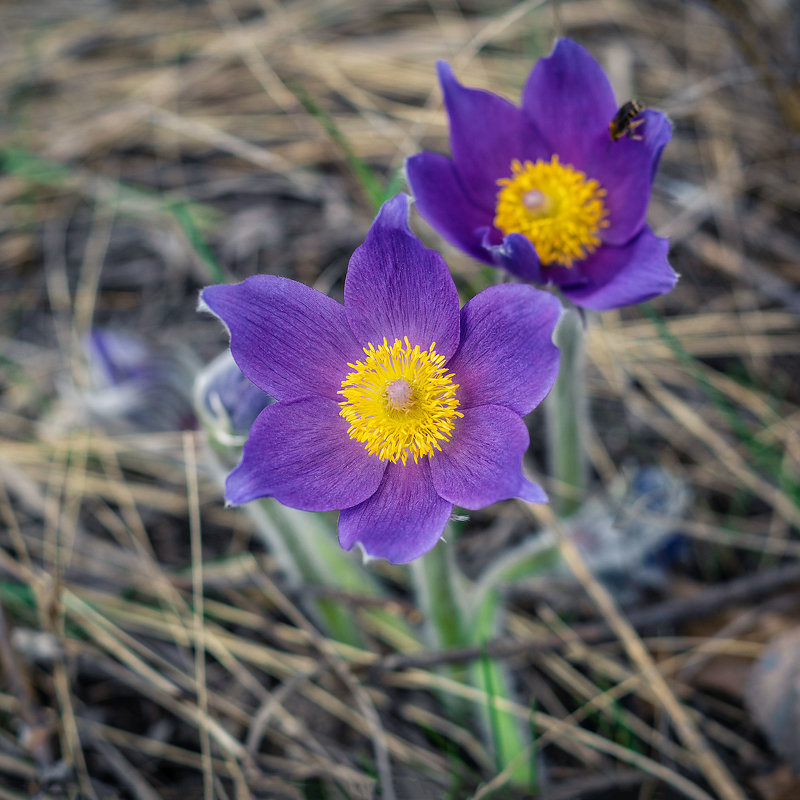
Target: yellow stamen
<point>556,206</point>
<point>400,401</point>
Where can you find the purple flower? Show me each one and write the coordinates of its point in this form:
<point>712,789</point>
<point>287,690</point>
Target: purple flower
<point>228,402</point>
<point>395,406</point>
<point>544,190</point>
<point>134,385</point>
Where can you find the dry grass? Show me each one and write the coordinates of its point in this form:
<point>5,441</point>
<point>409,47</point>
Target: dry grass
<point>149,647</point>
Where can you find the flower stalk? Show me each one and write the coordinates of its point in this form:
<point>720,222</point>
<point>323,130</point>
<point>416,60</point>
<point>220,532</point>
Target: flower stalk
<point>453,618</point>
<point>304,545</point>
<point>440,592</point>
<point>567,417</point>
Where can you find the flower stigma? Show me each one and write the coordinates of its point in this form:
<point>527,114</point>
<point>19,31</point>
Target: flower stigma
<point>399,394</point>
<point>536,202</point>
<point>556,206</point>
<point>400,401</point>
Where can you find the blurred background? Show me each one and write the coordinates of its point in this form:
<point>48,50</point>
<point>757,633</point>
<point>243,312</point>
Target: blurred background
<point>150,148</point>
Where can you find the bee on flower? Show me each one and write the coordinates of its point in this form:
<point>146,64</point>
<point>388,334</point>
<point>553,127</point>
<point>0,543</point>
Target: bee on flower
<point>541,191</point>
<point>395,406</point>
<point>626,121</point>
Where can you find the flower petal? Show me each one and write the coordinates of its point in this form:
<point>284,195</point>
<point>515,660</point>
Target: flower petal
<point>625,169</point>
<point>516,254</point>
<point>507,356</point>
<point>299,453</point>
<point>228,400</point>
<point>531,492</point>
<point>486,133</point>
<point>482,463</point>
<point>444,204</point>
<point>288,339</point>
<point>396,287</point>
<point>402,520</point>
<point>569,98</point>
<point>619,276</point>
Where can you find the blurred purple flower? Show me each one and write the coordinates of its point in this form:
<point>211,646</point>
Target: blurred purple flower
<point>134,386</point>
<point>395,406</point>
<point>228,402</point>
<point>543,190</point>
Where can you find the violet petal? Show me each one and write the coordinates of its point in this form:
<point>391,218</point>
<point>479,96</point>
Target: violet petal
<point>516,254</point>
<point>507,356</point>
<point>402,520</point>
<point>531,492</point>
<point>442,201</point>
<point>299,453</point>
<point>568,96</point>
<point>288,339</point>
<point>487,133</point>
<point>396,287</point>
<point>482,462</point>
<point>620,276</point>
<point>625,169</point>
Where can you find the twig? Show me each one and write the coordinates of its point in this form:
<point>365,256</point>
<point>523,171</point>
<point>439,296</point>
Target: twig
<point>712,767</point>
<point>38,731</point>
<point>264,714</point>
<point>707,602</point>
<point>594,784</point>
<point>193,498</point>
<point>124,770</point>
<point>365,705</point>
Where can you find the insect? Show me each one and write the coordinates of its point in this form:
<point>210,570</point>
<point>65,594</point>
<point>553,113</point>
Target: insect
<point>625,121</point>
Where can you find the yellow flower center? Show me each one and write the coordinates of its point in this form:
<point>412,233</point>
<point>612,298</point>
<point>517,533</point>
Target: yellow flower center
<point>557,207</point>
<point>399,401</point>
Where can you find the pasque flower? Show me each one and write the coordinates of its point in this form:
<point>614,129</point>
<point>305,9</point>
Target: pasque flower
<point>227,402</point>
<point>133,384</point>
<point>396,405</point>
<point>544,190</point>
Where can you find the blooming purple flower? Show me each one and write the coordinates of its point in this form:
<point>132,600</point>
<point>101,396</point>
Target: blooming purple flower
<point>395,406</point>
<point>544,190</point>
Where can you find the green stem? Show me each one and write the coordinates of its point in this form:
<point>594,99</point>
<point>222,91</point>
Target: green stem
<point>454,619</point>
<point>567,417</point>
<point>303,544</point>
<point>440,595</point>
<point>439,592</point>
